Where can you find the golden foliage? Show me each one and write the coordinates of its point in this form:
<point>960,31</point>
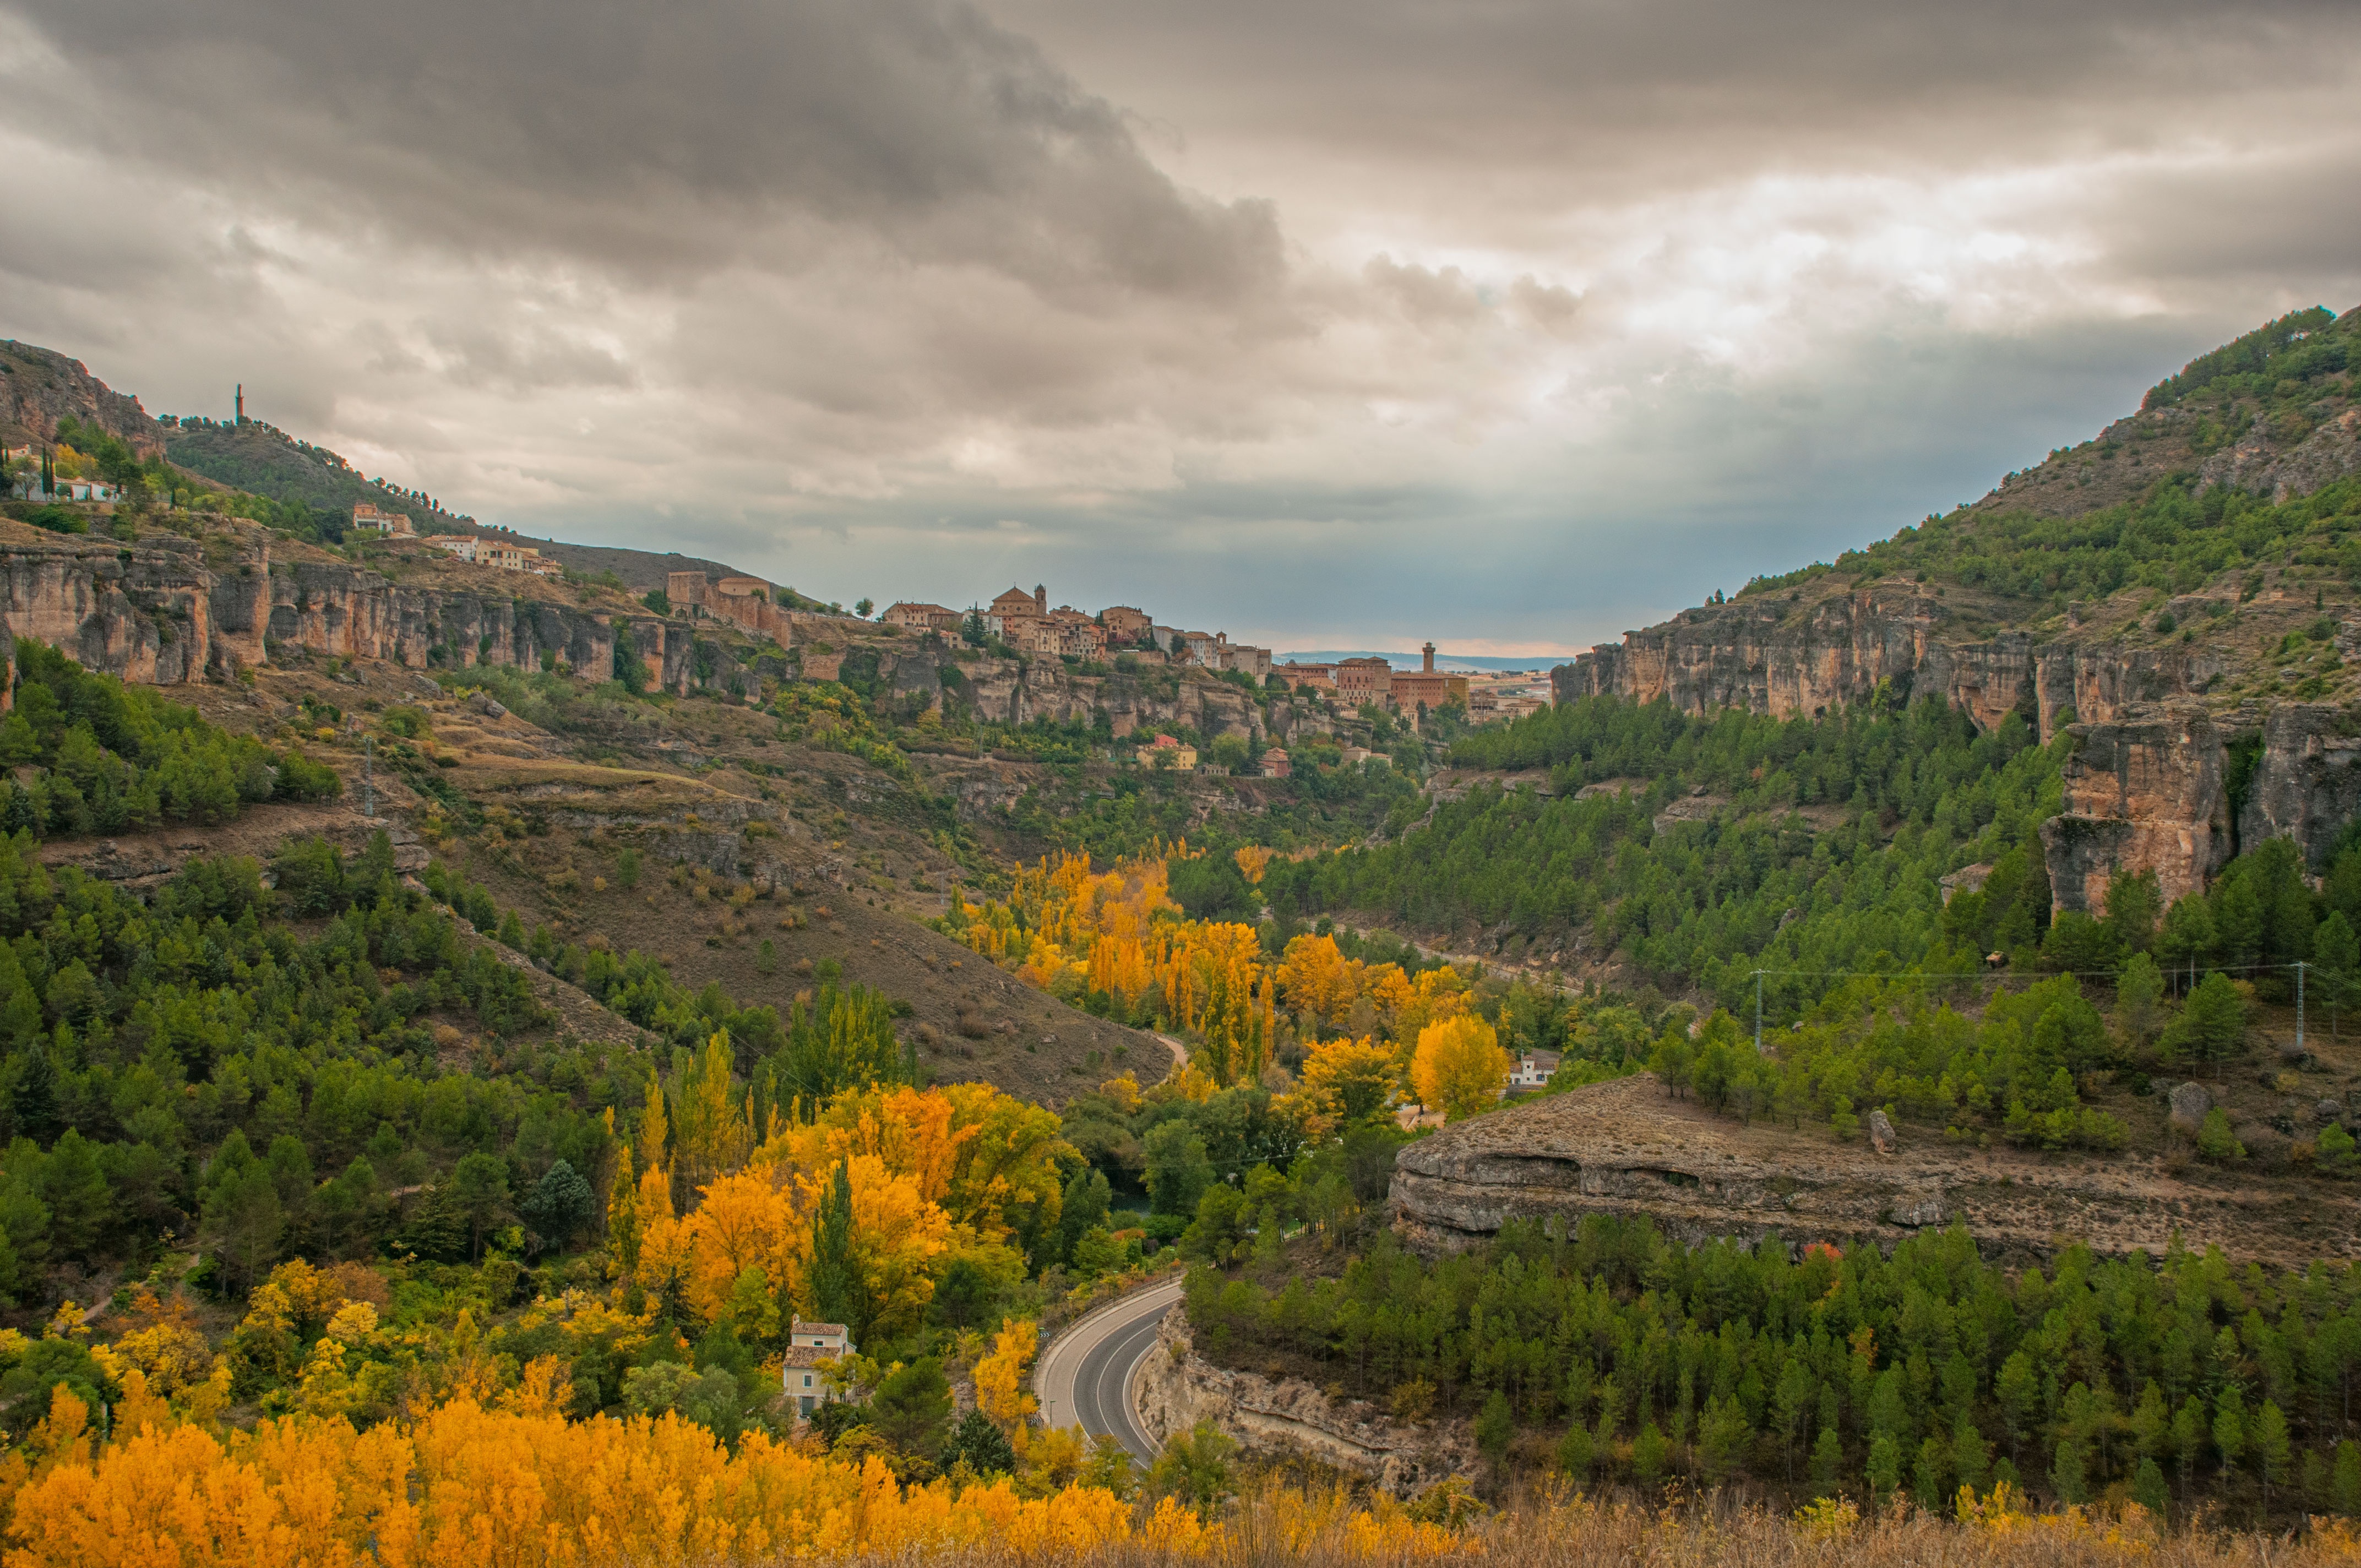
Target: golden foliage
<point>1347,1081</point>
<point>165,1348</point>
<point>1072,931</point>
<point>1000,1390</point>
<point>935,1174</point>
<point>468,1485</point>
<point>465,1484</point>
<point>1459,1066</point>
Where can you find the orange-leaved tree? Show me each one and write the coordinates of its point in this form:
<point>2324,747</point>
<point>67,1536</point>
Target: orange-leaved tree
<point>1459,1066</point>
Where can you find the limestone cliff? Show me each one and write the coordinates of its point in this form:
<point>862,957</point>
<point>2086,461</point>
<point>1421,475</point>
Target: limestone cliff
<point>170,611</point>
<point>1817,648</point>
<point>1628,1149</point>
<point>165,612</point>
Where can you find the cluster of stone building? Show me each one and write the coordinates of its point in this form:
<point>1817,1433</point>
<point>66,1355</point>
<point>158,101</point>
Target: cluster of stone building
<point>1354,683</point>
<point>475,549</point>
<point>1026,623</point>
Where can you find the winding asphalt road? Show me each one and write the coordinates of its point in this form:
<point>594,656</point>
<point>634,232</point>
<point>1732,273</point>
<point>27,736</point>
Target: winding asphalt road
<point>1084,1377</point>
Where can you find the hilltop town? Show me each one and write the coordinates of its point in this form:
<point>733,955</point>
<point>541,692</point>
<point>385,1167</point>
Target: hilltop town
<point>1025,623</point>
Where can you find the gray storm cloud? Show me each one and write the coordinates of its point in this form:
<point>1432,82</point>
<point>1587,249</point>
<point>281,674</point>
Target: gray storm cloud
<point>672,137</point>
<point>1327,321</point>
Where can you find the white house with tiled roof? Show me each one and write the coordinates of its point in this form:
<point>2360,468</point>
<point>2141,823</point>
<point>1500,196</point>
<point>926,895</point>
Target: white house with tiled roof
<point>810,1347</point>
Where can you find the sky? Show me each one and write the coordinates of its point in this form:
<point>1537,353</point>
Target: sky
<point>1510,323</point>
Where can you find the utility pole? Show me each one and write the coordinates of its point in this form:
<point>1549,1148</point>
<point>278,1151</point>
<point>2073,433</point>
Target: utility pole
<point>1758,1013</point>
<point>2299,1005</point>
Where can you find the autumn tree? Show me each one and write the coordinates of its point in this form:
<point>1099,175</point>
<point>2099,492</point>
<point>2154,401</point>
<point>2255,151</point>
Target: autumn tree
<point>1350,1081</point>
<point>1000,1388</point>
<point>1319,983</point>
<point>1459,1067</point>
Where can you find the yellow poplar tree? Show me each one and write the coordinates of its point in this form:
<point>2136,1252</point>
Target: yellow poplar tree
<point>1459,1066</point>
<point>1000,1392</point>
<point>1352,1080</point>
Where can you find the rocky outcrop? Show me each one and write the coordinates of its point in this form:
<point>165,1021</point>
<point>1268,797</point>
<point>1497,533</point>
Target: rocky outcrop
<point>1288,1418</point>
<point>2307,780</point>
<point>156,614</point>
<point>1627,1148</point>
<point>2149,782</point>
<point>1811,652</point>
<point>2261,464</point>
<point>161,613</point>
<point>39,385</point>
<point>2153,790</point>
<point>2148,792</point>
<point>170,611</point>
<point>330,607</point>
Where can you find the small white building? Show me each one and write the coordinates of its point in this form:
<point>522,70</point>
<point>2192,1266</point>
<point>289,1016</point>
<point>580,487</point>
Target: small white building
<point>1532,1070</point>
<point>85,490</point>
<point>810,1347</point>
<point>461,546</point>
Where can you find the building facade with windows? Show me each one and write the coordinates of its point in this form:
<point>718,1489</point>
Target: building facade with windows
<point>812,1348</point>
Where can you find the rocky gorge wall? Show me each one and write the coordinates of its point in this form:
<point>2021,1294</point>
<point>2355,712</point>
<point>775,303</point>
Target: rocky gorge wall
<point>163,613</point>
<point>170,611</point>
<point>1778,654</point>
<point>2157,778</point>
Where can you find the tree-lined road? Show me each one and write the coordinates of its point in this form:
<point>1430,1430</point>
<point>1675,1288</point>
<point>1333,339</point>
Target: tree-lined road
<point>1084,1377</point>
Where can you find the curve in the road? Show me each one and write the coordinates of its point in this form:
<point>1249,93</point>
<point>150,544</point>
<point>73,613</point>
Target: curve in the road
<point>1086,1374</point>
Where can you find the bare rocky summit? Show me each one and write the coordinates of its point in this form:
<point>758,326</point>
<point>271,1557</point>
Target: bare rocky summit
<point>1629,1149</point>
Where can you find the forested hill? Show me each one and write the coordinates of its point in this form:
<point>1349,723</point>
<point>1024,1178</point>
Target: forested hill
<point>260,458</point>
<point>2193,484</point>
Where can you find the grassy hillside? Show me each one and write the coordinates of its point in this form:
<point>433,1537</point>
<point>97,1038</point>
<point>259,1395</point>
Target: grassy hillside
<point>2231,464</point>
<point>265,461</point>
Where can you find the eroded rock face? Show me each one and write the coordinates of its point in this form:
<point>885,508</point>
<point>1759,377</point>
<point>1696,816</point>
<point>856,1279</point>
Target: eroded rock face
<point>2307,781</point>
<point>2152,790</point>
<point>1628,1149</point>
<point>2147,784</point>
<point>160,614</point>
<point>1771,654</point>
<point>1288,1418</point>
<point>2144,791</point>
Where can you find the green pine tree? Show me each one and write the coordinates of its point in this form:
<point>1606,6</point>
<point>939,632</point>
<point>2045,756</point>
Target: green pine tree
<point>835,1284</point>
<point>2147,1486</point>
<point>1827,1463</point>
<point>2344,1480</point>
